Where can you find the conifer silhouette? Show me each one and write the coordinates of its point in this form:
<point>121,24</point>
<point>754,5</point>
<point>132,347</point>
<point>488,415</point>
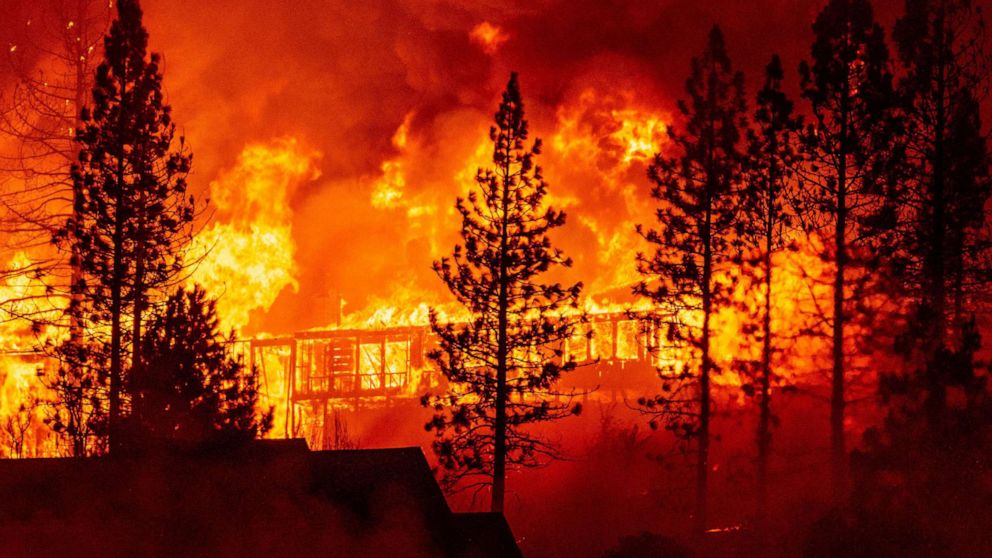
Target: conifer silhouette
<point>503,366</point>
<point>699,235</point>
<point>133,215</point>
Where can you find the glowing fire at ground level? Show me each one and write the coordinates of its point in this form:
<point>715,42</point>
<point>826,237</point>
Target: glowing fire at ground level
<point>309,376</point>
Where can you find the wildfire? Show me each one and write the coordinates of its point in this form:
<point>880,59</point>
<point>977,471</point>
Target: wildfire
<point>388,189</point>
<point>404,307</point>
<point>248,258</point>
<point>602,143</point>
<point>22,393</point>
<point>611,128</point>
<point>599,145</point>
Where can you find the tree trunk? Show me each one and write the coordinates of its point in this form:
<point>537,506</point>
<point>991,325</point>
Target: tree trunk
<point>703,450</point>
<point>837,403</point>
<point>838,446</point>
<point>764,419</point>
<point>935,272</point>
<point>703,457</point>
<point>116,287</point>
<point>116,365</point>
<point>957,283</point>
<point>76,273</point>
<point>138,293</point>
<point>77,414</point>
<point>499,449</point>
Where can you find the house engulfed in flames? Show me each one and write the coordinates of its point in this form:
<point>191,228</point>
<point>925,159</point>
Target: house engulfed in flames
<point>307,377</point>
<point>247,256</point>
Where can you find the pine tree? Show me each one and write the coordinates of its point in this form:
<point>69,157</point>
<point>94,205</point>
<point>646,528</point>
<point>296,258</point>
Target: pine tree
<point>931,449</point>
<point>191,388</point>
<point>927,477</point>
<point>698,237</point>
<point>502,366</point>
<point>941,47</point>
<point>78,407</point>
<point>769,179</point>
<point>133,214</point>
<point>970,176</point>
<point>850,150</point>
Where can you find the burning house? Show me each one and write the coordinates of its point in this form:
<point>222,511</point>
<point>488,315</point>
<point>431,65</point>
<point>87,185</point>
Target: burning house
<point>309,377</point>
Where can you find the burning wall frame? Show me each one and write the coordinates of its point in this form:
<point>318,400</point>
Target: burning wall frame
<point>307,376</point>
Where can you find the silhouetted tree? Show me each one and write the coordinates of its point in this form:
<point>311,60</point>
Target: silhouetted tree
<point>922,467</point>
<point>849,146</point>
<point>942,48</point>
<point>77,409</point>
<point>699,235</point>
<point>502,366</point>
<point>16,425</point>
<point>52,61</point>
<point>133,212</point>
<point>192,389</point>
<point>769,178</point>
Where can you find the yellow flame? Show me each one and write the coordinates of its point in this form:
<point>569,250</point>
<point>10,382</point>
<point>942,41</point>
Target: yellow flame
<point>387,191</point>
<point>28,303</point>
<point>249,259</point>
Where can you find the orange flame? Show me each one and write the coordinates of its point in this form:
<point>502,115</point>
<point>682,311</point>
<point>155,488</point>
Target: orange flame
<point>248,259</point>
<point>489,36</point>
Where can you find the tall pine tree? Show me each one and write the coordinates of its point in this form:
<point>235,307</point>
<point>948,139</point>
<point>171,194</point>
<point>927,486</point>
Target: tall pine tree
<point>133,215</point>
<point>502,366</point>
<point>942,49</point>
<point>932,449</point>
<point>698,236</point>
<point>770,177</point>
<point>849,147</point>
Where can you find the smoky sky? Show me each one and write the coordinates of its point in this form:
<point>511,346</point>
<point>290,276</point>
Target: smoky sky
<point>341,77</point>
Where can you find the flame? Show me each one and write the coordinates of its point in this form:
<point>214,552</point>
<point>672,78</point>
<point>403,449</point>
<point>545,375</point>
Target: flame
<point>29,310</point>
<point>488,36</point>
<point>611,128</point>
<point>606,140</point>
<point>249,259</point>
<point>405,306</point>
<point>388,189</point>
<point>600,139</point>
